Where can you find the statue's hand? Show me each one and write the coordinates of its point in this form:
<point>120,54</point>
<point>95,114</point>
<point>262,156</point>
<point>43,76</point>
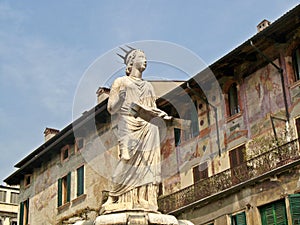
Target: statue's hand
<point>167,117</point>
<point>164,115</point>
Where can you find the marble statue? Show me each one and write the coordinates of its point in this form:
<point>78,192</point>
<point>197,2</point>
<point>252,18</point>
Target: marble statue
<point>137,175</point>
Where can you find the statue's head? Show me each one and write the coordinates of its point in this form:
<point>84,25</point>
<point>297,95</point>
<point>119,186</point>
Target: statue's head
<point>134,57</point>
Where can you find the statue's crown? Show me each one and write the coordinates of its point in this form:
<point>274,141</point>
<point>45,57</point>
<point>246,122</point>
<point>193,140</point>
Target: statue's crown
<point>127,52</point>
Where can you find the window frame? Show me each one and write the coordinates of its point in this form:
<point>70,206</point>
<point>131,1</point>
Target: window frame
<point>11,197</point>
<point>238,218</point>
<point>3,195</point>
<point>64,149</point>
<point>24,212</point>
<point>64,190</point>
<point>181,136</point>
<point>27,180</point>
<point>80,174</point>
<point>79,144</point>
<point>296,63</point>
<point>233,101</point>
<point>199,174</point>
<point>273,208</point>
<point>294,200</point>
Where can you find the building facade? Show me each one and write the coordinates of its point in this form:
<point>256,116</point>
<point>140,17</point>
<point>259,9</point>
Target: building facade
<point>237,164</point>
<point>9,201</point>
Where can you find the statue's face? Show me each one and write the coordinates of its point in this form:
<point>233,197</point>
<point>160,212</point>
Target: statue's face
<point>140,61</point>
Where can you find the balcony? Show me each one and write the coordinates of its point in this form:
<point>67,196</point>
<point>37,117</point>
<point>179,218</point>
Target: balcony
<point>260,167</point>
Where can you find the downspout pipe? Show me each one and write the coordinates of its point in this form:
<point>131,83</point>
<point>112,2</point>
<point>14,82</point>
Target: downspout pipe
<point>215,111</point>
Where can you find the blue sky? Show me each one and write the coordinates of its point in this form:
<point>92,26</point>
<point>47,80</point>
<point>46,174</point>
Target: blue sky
<point>46,46</point>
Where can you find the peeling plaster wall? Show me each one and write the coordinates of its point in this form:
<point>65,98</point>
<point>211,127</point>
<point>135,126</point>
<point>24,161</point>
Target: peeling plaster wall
<point>43,190</point>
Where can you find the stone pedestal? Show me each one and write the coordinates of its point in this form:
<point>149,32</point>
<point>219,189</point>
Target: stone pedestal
<point>138,218</point>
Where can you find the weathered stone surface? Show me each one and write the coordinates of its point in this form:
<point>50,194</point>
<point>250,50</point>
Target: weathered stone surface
<point>84,223</point>
<point>138,218</point>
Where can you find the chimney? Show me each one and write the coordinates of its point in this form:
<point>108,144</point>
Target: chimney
<point>262,25</point>
<point>49,133</point>
<point>102,94</point>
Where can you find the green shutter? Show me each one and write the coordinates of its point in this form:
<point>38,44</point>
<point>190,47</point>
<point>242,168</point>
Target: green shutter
<point>280,213</point>
<point>21,213</point>
<point>295,208</point>
<point>80,181</point>
<point>239,219</point>
<point>69,187</point>
<point>274,214</point>
<point>27,211</point>
<point>59,192</point>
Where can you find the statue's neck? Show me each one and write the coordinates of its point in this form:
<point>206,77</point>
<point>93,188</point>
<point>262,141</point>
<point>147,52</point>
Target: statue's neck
<point>136,74</point>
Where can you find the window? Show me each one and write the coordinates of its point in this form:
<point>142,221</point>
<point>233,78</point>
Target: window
<point>64,189</point>
<point>239,219</point>
<point>24,212</point>
<point>200,172</point>
<point>65,153</point>
<point>177,134</point>
<point>237,159</point>
<point>14,198</point>
<point>2,196</point>
<point>233,101</point>
<point>80,180</point>
<point>27,180</point>
<point>79,144</point>
<point>194,119</point>
<point>295,208</point>
<point>296,63</point>
<point>274,213</point>
<point>192,115</point>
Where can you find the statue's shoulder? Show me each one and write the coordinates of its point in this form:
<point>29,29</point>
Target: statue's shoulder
<point>120,80</point>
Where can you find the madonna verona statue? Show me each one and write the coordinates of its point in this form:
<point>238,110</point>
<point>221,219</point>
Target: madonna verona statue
<point>137,174</point>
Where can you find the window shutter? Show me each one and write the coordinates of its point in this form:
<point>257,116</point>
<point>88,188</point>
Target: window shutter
<point>59,192</point>
<point>280,213</point>
<point>27,211</point>
<point>69,187</point>
<point>269,214</point>
<point>196,174</point>
<point>274,213</point>
<point>295,208</point>
<point>241,219</point>
<point>21,213</point>
<point>80,181</point>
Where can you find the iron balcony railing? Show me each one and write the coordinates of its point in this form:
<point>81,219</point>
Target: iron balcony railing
<point>225,180</point>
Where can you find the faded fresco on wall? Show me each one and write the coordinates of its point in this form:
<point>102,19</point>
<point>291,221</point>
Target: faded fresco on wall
<point>169,164</point>
<point>263,94</point>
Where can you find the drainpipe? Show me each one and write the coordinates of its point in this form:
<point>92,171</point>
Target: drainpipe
<point>215,111</point>
<point>280,71</point>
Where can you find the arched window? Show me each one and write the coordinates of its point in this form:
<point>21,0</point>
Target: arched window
<point>233,101</point>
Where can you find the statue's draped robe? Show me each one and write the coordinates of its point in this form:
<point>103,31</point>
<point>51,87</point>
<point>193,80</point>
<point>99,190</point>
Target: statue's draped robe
<point>138,170</point>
